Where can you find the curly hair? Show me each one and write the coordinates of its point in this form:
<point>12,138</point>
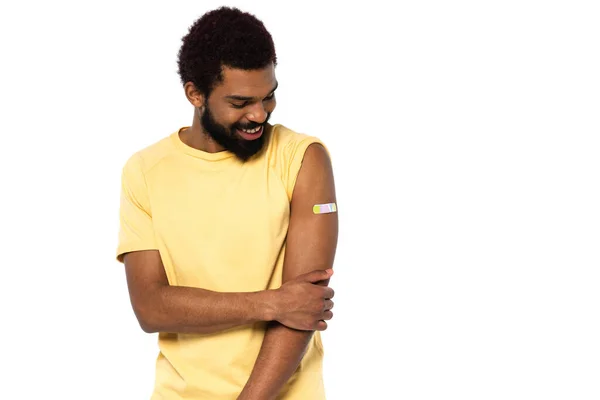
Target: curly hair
<point>223,37</point>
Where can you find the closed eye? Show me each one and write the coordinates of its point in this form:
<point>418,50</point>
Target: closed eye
<point>246,103</point>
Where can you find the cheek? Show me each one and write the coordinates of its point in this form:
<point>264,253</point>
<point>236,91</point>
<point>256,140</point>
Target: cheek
<point>231,117</point>
<point>224,115</point>
<point>270,106</point>
<point>236,119</point>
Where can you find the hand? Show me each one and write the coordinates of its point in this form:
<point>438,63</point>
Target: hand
<point>304,303</point>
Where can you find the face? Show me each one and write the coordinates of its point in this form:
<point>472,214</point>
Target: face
<point>238,108</point>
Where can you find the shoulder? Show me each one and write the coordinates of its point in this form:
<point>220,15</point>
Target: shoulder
<point>282,136</point>
<point>316,154</point>
<point>287,152</point>
<point>289,144</point>
<point>144,159</point>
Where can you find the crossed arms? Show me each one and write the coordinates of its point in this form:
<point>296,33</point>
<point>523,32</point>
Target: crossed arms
<point>294,311</point>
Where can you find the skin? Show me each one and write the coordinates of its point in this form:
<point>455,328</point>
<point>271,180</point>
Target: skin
<point>256,86</point>
<point>312,241</point>
<point>159,307</point>
<point>303,303</point>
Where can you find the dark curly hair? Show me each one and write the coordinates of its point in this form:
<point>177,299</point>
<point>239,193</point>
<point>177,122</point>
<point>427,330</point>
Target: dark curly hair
<point>223,37</point>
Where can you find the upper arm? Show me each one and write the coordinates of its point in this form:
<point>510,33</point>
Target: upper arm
<point>136,229</point>
<point>312,238</point>
<point>145,274</point>
<point>137,248</point>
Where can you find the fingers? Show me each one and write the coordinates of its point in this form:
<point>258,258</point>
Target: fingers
<point>323,283</point>
<point>321,326</point>
<point>328,305</point>
<point>317,275</point>
<point>328,293</point>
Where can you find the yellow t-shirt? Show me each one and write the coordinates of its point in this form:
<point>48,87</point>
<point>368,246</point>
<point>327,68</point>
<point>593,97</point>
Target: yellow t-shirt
<point>219,224</point>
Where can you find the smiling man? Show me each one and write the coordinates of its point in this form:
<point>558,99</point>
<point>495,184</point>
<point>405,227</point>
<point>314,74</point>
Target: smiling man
<point>228,230</point>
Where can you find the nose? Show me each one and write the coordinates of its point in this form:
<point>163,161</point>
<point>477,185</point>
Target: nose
<point>257,113</point>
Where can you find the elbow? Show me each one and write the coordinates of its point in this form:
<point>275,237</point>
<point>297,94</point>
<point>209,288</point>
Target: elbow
<point>147,317</point>
<point>147,326</point>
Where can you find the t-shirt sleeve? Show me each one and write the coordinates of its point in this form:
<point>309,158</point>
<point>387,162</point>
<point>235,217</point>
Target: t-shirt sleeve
<point>294,154</point>
<point>136,231</point>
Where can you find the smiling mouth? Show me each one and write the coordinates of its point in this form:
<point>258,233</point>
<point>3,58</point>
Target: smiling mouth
<point>255,130</point>
<point>251,134</point>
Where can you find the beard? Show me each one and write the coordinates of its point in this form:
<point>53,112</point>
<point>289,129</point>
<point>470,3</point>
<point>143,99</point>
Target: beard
<point>229,139</point>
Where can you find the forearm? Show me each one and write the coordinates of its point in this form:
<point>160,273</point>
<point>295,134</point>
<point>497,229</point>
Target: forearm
<point>280,354</point>
<point>311,241</point>
<point>180,309</point>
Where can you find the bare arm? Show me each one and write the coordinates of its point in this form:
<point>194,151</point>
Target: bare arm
<point>163,308</point>
<point>177,309</point>
<point>311,243</point>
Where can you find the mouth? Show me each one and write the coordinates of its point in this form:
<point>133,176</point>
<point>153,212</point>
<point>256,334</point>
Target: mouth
<point>251,134</point>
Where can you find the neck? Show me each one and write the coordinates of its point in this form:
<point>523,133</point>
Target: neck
<point>196,137</point>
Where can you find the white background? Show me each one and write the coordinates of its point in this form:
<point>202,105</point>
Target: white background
<point>465,142</point>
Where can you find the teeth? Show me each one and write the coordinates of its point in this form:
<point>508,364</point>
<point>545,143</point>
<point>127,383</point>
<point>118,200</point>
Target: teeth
<point>252,130</point>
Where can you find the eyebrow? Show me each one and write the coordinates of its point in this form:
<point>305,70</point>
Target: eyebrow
<point>245,98</point>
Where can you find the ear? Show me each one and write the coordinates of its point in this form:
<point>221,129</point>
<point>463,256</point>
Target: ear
<point>193,95</point>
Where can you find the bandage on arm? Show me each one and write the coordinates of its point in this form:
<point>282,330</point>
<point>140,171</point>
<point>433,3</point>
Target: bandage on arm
<point>311,244</point>
<point>324,208</point>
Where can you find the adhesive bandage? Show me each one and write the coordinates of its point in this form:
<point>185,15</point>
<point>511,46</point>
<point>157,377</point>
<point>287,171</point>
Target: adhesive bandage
<point>324,208</point>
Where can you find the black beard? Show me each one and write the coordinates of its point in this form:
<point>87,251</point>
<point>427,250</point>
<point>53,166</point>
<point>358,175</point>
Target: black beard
<point>229,139</point>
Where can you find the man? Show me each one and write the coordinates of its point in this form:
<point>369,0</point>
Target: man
<point>229,229</point>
